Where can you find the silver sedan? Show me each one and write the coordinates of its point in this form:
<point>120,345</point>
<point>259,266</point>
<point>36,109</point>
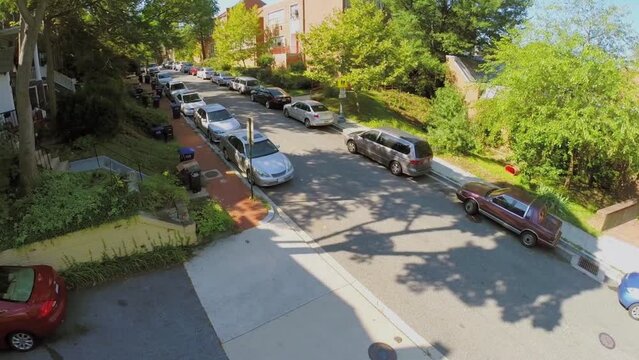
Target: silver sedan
<point>270,166</point>
<point>310,112</point>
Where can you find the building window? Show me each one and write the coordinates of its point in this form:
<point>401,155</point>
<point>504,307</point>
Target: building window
<point>275,19</point>
<point>295,12</point>
<point>279,41</point>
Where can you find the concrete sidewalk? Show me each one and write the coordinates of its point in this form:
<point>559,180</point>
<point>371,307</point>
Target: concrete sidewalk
<point>613,258</point>
<point>272,294</point>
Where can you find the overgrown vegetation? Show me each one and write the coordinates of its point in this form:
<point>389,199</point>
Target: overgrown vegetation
<point>161,191</point>
<point>65,202</point>
<point>450,130</point>
<point>210,218</point>
<point>287,80</point>
<point>87,274</point>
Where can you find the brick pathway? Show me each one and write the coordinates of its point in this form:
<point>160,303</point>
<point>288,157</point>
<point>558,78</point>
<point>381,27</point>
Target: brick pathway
<point>228,188</point>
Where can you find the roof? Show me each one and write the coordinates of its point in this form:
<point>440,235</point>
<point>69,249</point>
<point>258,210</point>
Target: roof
<point>213,107</point>
<point>246,78</point>
<point>310,102</point>
<point>241,134</point>
<point>520,195</point>
<point>470,67</point>
<point>401,134</point>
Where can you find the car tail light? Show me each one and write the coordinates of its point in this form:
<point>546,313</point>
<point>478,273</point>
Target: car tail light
<point>316,116</point>
<point>417,162</point>
<point>46,308</point>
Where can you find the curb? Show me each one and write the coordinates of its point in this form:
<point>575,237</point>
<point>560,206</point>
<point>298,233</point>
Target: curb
<point>566,250</point>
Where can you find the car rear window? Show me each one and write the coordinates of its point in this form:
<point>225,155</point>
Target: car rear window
<point>191,98</point>
<point>423,149</point>
<point>276,92</point>
<point>319,108</point>
<point>220,115</point>
<point>179,86</point>
<point>16,283</point>
<point>251,83</point>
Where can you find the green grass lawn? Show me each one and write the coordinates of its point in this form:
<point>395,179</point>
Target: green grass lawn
<point>387,109</point>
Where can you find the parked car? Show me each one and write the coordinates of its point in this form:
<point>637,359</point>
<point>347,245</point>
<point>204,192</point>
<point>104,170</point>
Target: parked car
<point>628,293</point>
<point>193,70</point>
<point>270,97</point>
<point>189,101</point>
<point>172,86</point>
<point>270,166</point>
<point>177,66</point>
<point>222,78</point>
<point>215,120</point>
<point>515,210</point>
<point>401,152</point>
<point>246,84</point>
<point>163,78</point>
<point>205,73</point>
<point>152,68</point>
<point>33,302</point>
<point>186,67</point>
<point>234,83</point>
<point>310,112</point>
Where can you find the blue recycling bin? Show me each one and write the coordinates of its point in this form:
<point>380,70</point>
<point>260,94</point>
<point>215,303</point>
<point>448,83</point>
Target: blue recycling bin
<point>186,153</point>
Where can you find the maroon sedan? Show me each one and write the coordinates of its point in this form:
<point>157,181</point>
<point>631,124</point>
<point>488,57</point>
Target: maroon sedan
<point>515,210</point>
<point>194,70</point>
<point>32,305</point>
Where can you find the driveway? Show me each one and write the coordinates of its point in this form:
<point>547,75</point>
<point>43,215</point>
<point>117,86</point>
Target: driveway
<point>151,316</point>
<point>462,283</point>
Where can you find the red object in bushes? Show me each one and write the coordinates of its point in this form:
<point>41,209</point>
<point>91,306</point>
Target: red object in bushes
<point>512,169</point>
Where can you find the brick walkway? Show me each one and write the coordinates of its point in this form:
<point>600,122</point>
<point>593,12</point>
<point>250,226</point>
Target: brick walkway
<point>228,188</point>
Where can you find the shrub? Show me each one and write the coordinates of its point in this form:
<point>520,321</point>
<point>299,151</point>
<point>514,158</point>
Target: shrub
<point>451,131</point>
<point>555,200</point>
<point>66,202</point>
<point>161,191</point>
<point>79,275</point>
<point>265,61</point>
<point>298,67</point>
<point>143,118</point>
<point>211,218</point>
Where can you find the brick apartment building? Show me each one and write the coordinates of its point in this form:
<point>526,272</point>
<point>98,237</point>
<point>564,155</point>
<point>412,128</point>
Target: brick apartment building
<point>285,20</point>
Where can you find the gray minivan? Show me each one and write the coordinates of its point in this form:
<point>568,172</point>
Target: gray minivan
<point>401,152</point>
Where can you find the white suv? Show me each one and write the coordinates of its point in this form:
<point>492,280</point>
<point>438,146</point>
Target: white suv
<point>245,84</point>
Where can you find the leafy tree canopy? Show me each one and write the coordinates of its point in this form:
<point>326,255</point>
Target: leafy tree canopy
<point>236,37</point>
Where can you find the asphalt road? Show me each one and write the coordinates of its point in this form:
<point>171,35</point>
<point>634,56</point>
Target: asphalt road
<point>154,316</point>
<point>463,283</point>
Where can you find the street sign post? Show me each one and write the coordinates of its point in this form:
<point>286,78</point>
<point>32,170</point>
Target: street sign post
<point>342,85</point>
<point>249,134</point>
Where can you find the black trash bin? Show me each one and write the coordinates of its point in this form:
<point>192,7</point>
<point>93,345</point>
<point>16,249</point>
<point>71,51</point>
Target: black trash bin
<point>147,79</point>
<point>168,132</point>
<point>195,181</point>
<point>158,90</point>
<point>175,109</point>
<point>156,101</point>
<point>140,78</point>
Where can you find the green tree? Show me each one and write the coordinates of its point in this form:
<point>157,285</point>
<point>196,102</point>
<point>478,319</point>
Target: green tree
<point>448,119</point>
<point>457,26</point>
<point>568,110</point>
<point>357,45</point>
<point>235,38</point>
<point>199,25</point>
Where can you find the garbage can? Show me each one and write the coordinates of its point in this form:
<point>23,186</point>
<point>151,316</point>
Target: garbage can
<point>156,101</point>
<point>147,79</point>
<point>186,153</point>
<point>195,181</point>
<point>140,78</point>
<point>168,132</point>
<point>158,90</point>
<point>175,109</point>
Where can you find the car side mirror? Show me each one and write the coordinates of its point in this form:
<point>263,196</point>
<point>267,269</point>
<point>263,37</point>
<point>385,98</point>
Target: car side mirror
<point>277,146</point>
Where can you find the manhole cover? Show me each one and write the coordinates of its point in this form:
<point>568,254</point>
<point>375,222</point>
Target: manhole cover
<point>212,174</point>
<point>607,341</point>
<point>381,351</point>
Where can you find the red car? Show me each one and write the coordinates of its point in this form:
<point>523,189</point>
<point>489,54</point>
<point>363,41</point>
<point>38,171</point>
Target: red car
<point>194,70</point>
<point>33,303</point>
<point>515,210</point>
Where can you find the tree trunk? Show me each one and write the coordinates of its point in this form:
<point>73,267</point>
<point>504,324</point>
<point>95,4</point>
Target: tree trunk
<point>571,171</point>
<point>203,48</point>
<point>26,152</point>
<point>51,67</point>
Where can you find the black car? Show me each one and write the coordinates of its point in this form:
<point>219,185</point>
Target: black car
<point>271,97</point>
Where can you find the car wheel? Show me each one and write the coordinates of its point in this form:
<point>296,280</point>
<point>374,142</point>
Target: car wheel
<point>528,239</point>
<point>307,123</point>
<point>21,341</point>
<point>252,98</point>
<point>395,168</point>
<point>471,207</point>
<point>267,104</point>
<point>633,311</point>
<point>226,154</point>
<point>286,113</point>
<point>351,146</point>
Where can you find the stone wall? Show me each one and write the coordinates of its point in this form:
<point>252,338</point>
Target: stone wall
<point>139,233</point>
<point>615,215</point>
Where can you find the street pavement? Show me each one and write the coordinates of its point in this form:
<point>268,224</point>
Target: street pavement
<point>463,283</point>
<point>152,316</point>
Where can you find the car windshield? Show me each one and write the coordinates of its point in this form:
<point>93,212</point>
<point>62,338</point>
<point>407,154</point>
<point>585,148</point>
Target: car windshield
<point>319,108</point>
<point>264,148</point>
<point>220,115</point>
<point>422,149</point>
<point>226,74</point>
<point>16,283</point>
<point>179,86</point>
<point>251,82</point>
<point>153,65</point>
<point>188,64</point>
<point>277,92</point>
<point>191,98</point>
<point>164,75</point>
